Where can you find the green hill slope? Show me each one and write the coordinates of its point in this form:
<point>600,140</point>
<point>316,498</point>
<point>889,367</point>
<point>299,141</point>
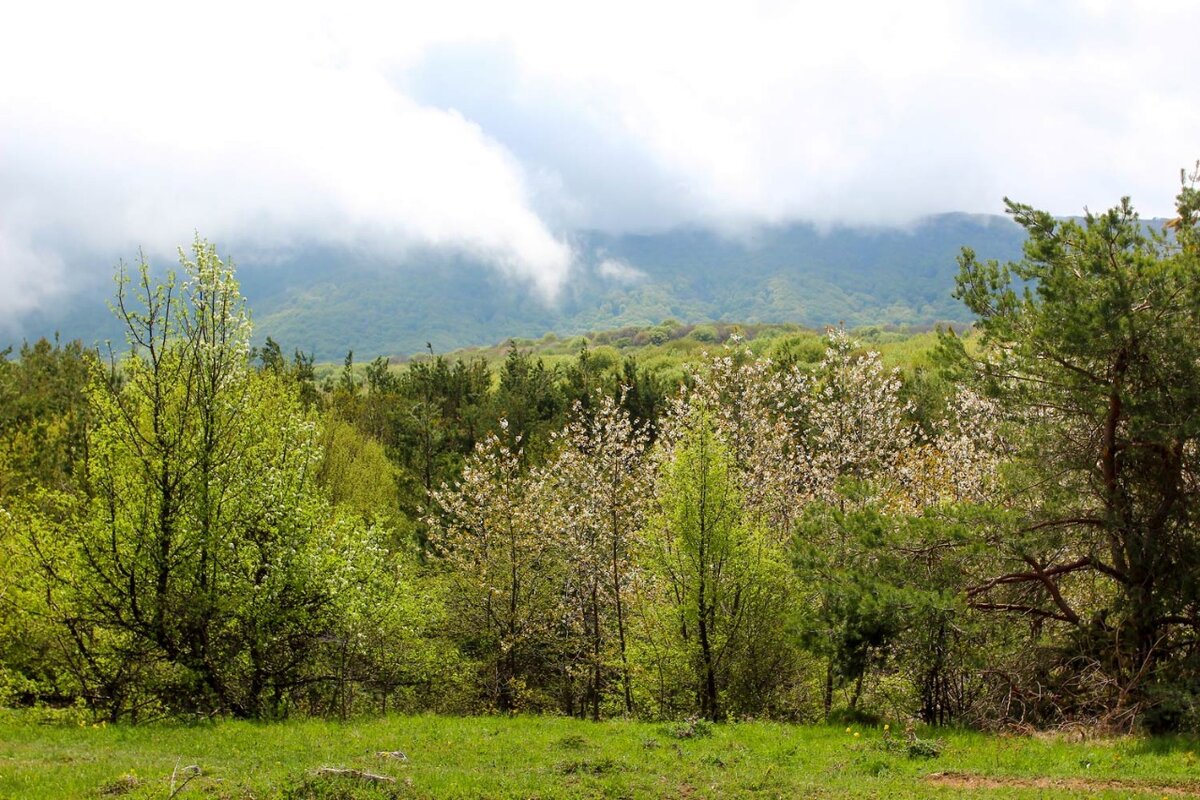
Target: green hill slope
<point>795,274</point>
<point>328,301</point>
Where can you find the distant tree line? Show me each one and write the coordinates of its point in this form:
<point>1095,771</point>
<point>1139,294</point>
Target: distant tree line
<point>192,526</point>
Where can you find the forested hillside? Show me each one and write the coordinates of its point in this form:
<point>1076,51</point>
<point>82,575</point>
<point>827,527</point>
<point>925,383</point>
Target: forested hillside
<point>764,522</point>
<point>326,301</point>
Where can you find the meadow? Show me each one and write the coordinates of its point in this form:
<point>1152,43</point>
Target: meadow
<point>558,757</point>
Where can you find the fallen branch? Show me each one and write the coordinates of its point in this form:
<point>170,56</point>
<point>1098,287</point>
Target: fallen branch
<point>357,774</point>
<point>189,773</point>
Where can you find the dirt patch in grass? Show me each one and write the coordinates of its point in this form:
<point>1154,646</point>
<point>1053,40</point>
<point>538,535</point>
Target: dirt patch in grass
<point>122,785</point>
<point>966,780</point>
<point>599,767</point>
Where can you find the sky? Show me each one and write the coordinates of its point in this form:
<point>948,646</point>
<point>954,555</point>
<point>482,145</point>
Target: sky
<point>497,130</point>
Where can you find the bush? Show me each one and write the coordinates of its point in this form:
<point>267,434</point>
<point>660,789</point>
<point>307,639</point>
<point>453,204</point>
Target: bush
<point>690,729</point>
<point>912,746</point>
<point>854,716</point>
<point>1170,708</point>
<point>923,748</point>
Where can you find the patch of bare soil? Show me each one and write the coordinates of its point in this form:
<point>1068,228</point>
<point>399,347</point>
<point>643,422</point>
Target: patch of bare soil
<point>965,780</point>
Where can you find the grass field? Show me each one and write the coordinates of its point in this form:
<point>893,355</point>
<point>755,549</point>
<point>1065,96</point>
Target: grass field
<point>554,757</point>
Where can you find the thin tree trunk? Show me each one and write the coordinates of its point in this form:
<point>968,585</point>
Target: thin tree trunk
<point>595,653</point>
<point>709,696</point>
<point>616,578</point>
<point>828,688</point>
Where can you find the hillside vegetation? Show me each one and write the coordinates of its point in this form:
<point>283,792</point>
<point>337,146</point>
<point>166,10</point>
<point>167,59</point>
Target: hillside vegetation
<point>327,301</point>
<point>791,274</point>
<point>664,524</point>
<point>669,348</point>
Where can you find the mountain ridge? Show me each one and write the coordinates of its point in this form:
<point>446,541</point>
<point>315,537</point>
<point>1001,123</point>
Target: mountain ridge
<point>327,301</point>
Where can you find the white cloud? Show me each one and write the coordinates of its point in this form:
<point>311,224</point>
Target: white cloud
<point>127,131</point>
<point>870,111</point>
<point>496,129</point>
<point>619,271</point>
<point>29,276</point>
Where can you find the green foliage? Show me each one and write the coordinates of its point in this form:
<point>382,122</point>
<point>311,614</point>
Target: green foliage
<point>714,575</point>
<point>198,569</point>
<point>355,472</point>
<point>875,608</point>
<point>43,415</point>
<point>504,571</point>
<point>1090,344</point>
<point>732,521</point>
<point>912,745</point>
<point>32,665</point>
<point>385,643</point>
<point>691,729</point>
<point>529,401</point>
<point>196,555</point>
<point>790,274</point>
<point>43,421</point>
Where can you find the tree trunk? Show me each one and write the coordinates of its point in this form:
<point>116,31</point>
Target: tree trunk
<point>828,699</point>
<point>616,578</point>
<point>595,654</point>
<point>709,694</point>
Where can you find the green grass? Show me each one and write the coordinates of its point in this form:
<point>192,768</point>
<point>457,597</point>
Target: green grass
<point>549,757</point>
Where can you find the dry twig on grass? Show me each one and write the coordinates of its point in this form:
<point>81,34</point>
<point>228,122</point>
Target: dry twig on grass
<point>357,774</point>
<point>189,773</point>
